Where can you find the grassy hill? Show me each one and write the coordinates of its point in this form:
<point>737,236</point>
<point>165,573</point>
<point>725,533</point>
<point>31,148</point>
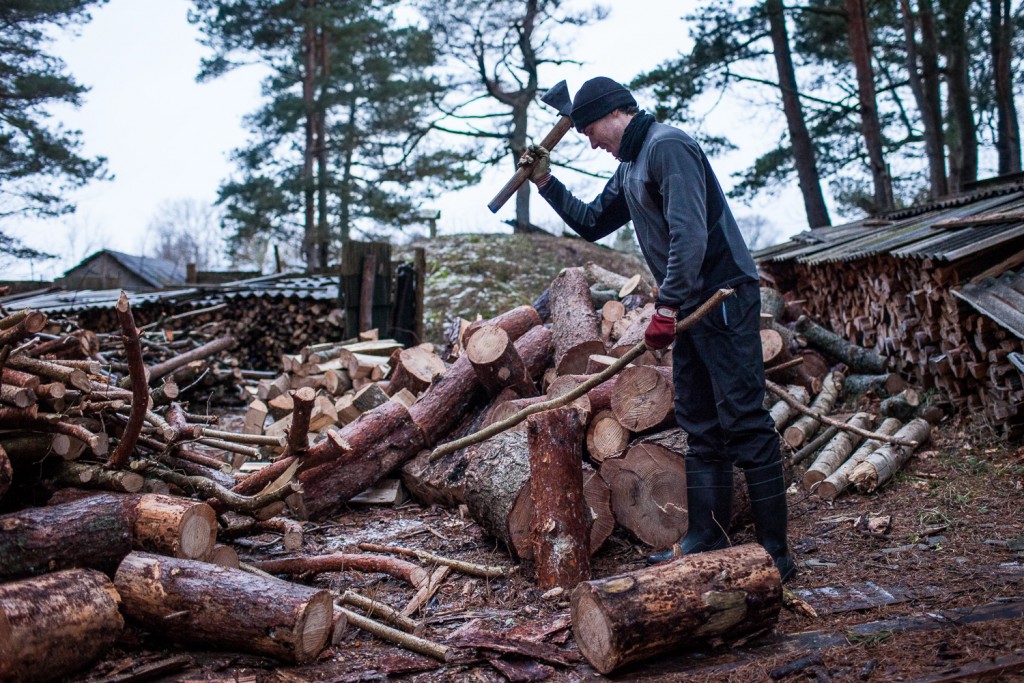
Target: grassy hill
<point>470,275</point>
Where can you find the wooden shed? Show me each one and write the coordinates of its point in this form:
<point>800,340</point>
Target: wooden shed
<point>109,269</point>
<point>937,288</point>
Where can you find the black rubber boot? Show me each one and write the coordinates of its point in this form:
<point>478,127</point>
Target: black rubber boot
<point>767,487</point>
<point>709,503</point>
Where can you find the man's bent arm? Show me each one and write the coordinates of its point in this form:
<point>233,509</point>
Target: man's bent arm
<point>600,218</point>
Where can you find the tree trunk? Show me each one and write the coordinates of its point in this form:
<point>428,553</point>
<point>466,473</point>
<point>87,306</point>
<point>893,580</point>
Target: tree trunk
<point>560,530</point>
<point>926,94</point>
<point>673,606</point>
<point>799,138</point>
<point>309,123</point>
<point>221,607</point>
<point>575,327</point>
<point>860,47</point>
<point>1007,127</point>
<point>962,136</point>
<point>54,625</point>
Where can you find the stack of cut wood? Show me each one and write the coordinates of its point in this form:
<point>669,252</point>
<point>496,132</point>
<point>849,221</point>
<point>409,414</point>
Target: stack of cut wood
<point>905,311</point>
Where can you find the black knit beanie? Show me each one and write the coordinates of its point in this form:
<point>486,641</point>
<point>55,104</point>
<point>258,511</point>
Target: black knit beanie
<point>597,98</point>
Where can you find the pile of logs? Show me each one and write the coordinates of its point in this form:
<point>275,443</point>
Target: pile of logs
<point>906,312</point>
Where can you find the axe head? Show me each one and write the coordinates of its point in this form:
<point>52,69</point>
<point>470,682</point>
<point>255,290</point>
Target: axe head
<point>558,97</point>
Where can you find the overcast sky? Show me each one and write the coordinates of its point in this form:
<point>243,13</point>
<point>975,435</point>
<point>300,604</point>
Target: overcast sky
<point>167,137</point>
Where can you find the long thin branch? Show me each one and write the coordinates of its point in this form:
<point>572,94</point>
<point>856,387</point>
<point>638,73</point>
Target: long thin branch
<point>211,489</point>
<point>411,573</point>
<point>381,610</point>
<point>396,637</point>
<point>139,386</point>
<point>568,398</point>
<point>785,396</point>
<point>470,568</point>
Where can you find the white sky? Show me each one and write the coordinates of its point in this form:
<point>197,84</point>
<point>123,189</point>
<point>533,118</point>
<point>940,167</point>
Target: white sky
<point>167,137</point>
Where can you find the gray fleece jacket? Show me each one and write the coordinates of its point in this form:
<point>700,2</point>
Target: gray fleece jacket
<point>686,231</point>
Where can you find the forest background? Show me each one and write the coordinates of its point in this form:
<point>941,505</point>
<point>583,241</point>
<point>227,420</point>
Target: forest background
<point>218,129</point>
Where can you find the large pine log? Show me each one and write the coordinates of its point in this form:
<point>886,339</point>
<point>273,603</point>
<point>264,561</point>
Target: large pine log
<point>880,466</point>
<point>648,491</point>
<point>497,363</point>
<point>838,481</point>
<point>450,397</point>
<point>98,530</point>
<point>497,493</point>
<point>222,607</point>
<point>575,326</point>
<point>644,398</point>
<point>415,369</point>
<point>676,605</point>
<point>600,396</point>
<point>364,452</point>
<point>605,436</point>
<point>53,625</point>
<point>801,430</point>
<point>561,526</point>
<point>836,451</point>
<point>516,322</point>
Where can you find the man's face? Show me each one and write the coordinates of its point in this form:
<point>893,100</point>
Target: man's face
<point>606,132</point>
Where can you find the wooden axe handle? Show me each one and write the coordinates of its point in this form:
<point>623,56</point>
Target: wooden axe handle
<point>522,174</point>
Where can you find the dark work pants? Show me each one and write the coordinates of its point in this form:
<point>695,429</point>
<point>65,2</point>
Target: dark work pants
<point>719,385</point>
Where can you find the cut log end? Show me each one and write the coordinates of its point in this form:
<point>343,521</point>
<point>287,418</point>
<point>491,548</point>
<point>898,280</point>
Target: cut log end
<point>593,632</point>
<point>314,628</point>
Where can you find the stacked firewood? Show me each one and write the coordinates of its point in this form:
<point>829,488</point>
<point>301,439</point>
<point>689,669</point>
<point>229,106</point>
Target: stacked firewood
<point>906,312</point>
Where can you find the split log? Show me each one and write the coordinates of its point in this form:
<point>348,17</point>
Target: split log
<point>782,412</point>
<point>838,481</point>
<point>222,607</point>
<point>54,625</point>
<point>575,327</point>
<point>880,466</point>
<point>415,368</point>
<point>644,398</point>
<point>856,357</point>
<point>801,430</point>
<point>634,333</point>
<point>836,451</point>
<point>359,455</point>
<point>606,437</point>
<point>496,362</point>
<point>676,605</point>
<point>560,531</point>
<point>648,493</point>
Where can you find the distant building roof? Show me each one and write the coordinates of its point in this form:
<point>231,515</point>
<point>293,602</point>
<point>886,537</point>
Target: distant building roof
<point>155,271</point>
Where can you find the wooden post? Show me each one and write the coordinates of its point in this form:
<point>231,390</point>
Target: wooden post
<point>366,292</point>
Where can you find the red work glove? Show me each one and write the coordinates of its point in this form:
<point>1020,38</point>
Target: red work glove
<point>661,331</point>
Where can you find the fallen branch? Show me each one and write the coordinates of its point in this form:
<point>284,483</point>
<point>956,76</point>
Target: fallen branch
<point>483,571</point>
<point>810,448</point>
<point>379,609</point>
<point>339,562</point>
<point>583,388</point>
<point>140,387</point>
<point>210,489</point>
<point>396,637</point>
<point>784,395</point>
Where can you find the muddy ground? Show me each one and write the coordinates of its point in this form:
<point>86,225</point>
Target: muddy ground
<point>951,563</point>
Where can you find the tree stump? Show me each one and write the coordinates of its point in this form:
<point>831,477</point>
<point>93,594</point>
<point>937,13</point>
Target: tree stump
<point>54,625</point>
<point>561,526</point>
<point>575,327</point>
<point>635,616</point>
<point>226,608</point>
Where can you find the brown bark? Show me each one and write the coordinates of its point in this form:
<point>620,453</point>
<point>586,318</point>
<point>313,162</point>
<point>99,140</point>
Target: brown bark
<point>961,134</point>
<point>856,357</point>
<point>33,322</point>
<point>54,625</point>
<point>298,432</point>
<point>222,607</point>
<point>575,327</point>
<point>670,607</point>
<point>97,477</point>
<point>644,398</point>
<point>926,96</point>
<point>173,526</point>
<point>516,322</point>
<point>799,137</point>
<point>6,472</point>
<point>140,388</point>
<point>1001,40</point>
<point>79,379</point>
<point>648,493</point>
<point>206,350</point>
<point>412,574</point>
<point>560,529</point>
<point>379,441</point>
<point>496,362</point>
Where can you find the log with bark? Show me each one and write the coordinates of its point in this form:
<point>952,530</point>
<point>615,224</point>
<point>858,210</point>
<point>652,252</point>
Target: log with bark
<point>497,363</point>
<point>415,369</point>
<point>782,412</point>
<point>575,327</point>
<point>803,429</point>
<point>636,616</point>
<point>838,481</point>
<point>858,358</point>
<point>836,451</point>
<point>560,530</point>
<point>879,467</point>
<point>606,436</point>
<point>54,625</point>
<point>226,608</point>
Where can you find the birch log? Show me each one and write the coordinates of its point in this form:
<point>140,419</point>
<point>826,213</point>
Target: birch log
<point>838,481</point>
<point>801,430</point>
<point>880,466</point>
<point>836,451</point>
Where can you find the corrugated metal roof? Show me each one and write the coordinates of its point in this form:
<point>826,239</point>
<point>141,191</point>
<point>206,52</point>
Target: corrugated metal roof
<point>155,271</point>
<point>921,235</point>
<point>277,286</point>
<point>1001,299</point>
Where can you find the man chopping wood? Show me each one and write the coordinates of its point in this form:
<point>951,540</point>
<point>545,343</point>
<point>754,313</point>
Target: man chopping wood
<point>691,242</point>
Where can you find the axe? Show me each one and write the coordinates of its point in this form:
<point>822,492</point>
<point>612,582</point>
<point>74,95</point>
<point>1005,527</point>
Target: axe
<point>557,97</point>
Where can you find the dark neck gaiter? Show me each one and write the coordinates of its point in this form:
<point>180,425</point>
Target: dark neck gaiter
<point>633,136</point>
